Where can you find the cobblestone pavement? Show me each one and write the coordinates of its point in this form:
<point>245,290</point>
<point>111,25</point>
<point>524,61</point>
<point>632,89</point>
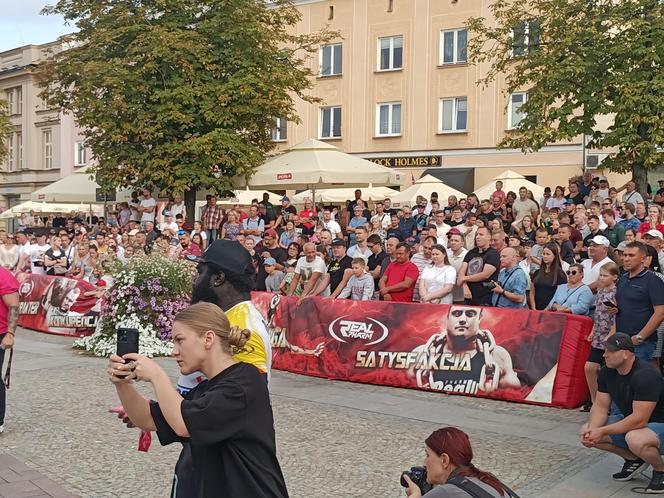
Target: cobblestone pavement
<point>58,424</point>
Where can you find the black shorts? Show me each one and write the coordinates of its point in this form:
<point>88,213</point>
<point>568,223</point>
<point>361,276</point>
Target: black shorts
<point>596,355</point>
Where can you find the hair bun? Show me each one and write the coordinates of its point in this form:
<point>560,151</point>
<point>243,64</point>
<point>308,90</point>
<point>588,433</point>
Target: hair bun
<point>238,337</point>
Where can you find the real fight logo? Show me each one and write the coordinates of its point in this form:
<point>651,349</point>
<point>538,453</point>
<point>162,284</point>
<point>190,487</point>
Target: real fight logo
<point>370,330</point>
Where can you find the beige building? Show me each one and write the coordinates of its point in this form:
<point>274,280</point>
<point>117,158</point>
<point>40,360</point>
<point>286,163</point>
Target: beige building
<point>397,89</point>
<point>45,145</point>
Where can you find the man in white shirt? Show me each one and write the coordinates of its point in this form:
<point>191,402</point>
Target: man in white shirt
<point>331,225</point>
<point>631,195</point>
<point>523,206</point>
<point>441,227</point>
<point>308,271</point>
<point>455,254</point>
<point>598,250</point>
<point>253,226</point>
<point>178,207</point>
<point>169,227</point>
<point>36,253</point>
<point>147,207</point>
<point>360,249</point>
<point>382,216</point>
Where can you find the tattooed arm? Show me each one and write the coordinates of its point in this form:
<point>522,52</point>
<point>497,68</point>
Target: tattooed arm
<point>11,301</point>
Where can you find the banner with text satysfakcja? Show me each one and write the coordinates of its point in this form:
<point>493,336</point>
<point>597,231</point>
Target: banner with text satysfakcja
<point>515,355</point>
<point>57,305</point>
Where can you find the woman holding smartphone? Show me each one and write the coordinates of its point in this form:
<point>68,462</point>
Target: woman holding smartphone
<point>227,419</point>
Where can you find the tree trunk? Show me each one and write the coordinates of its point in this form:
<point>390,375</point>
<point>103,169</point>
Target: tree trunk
<point>640,177</point>
<point>190,203</point>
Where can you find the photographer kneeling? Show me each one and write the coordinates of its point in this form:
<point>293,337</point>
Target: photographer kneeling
<point>227,419</point>
<point>448,468</point>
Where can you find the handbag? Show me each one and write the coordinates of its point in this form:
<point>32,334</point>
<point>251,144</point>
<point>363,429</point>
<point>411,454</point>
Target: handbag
<point>8,371</point>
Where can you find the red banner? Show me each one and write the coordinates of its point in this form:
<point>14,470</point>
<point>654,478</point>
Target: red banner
<point>58,305</point>
<point>516,355</point>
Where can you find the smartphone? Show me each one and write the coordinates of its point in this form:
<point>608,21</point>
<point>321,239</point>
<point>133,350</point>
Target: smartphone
<point>127,341</point>
<point>610,304</point>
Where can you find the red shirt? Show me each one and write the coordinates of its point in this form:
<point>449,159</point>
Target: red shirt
<point>8,285</point>
<point>309,214</point>
<point>397,273</point>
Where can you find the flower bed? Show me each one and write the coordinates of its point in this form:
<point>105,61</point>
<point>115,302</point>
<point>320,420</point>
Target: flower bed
<point>147,294</point>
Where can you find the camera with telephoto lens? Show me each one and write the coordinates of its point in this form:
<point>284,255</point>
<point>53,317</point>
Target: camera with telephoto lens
<point>419,477</point>
<point>489,285</point>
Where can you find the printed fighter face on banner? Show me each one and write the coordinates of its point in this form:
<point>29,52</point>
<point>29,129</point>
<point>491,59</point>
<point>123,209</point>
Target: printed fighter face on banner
<point>517,355</point>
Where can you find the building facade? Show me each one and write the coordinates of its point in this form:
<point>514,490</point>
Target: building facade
<point>397,88</point>
<point>45,145</point>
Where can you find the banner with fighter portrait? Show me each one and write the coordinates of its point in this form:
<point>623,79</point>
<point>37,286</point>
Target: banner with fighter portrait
<point>516,355</point>
<point>58,305</point>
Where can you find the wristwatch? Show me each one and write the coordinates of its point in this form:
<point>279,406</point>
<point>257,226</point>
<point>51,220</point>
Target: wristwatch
<point>639,339</point>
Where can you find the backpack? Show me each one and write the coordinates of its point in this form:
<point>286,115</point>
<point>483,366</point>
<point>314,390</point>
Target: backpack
<point>474,490</point>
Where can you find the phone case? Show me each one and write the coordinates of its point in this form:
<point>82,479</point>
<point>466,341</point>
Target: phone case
<point>127,341</point>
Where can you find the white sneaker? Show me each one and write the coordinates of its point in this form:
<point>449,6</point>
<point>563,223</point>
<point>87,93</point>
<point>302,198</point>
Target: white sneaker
<point>2,429</point>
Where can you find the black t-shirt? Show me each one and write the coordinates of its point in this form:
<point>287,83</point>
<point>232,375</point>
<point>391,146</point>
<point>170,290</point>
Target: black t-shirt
<point>642,383</point>
<point>567,252</point>
<point>279,254</point>
<point>287,212</point>
<point>336,271</point>
<point>54,256</point>
<point>374,261</point>
<point>396,232</point>
<point>233,449</point>
<point>577,199</point>
<point>476,261</point>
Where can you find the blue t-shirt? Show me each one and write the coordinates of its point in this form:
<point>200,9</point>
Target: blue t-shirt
<point>513,280</point>
<point>636,298</point>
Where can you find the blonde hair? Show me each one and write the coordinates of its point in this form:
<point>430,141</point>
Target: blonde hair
<point>611,269</point>
<point>204,317</point>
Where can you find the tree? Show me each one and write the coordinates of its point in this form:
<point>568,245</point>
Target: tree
<point>5,129</point>
<point>180,94</point>
<point>579,60</point>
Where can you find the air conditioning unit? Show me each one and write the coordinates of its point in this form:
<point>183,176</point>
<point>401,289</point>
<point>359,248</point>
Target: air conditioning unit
<point>594,161</point>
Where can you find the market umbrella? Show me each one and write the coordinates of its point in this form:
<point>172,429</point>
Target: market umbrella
<point>244,197</point>
<point>45,208</point>
<point>425,186</point>
<point>314,164</point>
<point>511,181</point>
<point>343,194</point>
<point>77,187</point>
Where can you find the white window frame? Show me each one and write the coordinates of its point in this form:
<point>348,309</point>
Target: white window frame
<point>80,149</point>
<point>332,47</point>
<point>390,119</point>
<point>10,152</point>
<point>279,123</point>
<point>9,97</point>
<point>391,58</point>
<point>47,148</point>
<point>526,35</point>
<point>19,150</point>
<point>19,99</point>
<point>510,111</point>
<point>332,136</point>
<point>455,114</point>
<point>455,47</point>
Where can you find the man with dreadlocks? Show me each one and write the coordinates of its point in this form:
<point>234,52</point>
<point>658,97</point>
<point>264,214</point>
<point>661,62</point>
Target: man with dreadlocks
<point>464,358</point>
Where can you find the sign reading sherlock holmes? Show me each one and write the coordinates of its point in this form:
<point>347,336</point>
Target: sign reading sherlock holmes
<point>408,161</point>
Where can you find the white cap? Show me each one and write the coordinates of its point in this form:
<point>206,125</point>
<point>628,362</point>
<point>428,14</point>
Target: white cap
<point>600,240</point>
<point>655,233</point>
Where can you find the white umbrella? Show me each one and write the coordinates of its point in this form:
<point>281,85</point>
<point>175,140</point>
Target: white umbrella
<point>244,197</point>
<point>343,194</point>
<point>315,164</point>
<point>511,181</point>
<point>78,187</point>
<point>46,208</point>
<point>425,186</point>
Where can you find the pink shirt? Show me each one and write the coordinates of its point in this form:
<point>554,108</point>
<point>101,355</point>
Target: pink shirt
<point>8,285</point>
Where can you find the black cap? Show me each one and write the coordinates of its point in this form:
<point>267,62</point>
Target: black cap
<point>228,255</point>
<point>339,242</point>
<point>619,341</point>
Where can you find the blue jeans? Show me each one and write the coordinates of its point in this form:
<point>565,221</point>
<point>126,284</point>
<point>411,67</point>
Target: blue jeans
<point>619,439</point>
<point>645,351</point>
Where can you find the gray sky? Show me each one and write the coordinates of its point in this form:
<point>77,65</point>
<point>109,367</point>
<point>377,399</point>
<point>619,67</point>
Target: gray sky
<point>21,24</point>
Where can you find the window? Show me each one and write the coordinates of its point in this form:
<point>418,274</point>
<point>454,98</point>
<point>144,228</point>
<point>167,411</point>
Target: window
<point>453,114</point>
<point>19,151</point>
<point>19,100</point>
<point>280,130</point>
<point>525,37</point>
<point>390,53</point>
<point>9,97</point>
<point>14,98</point>
<point>388,119</point>
<point>454,46</point>
<point>514,114</point>
<point>81,154</point>
<point>47,148</point>
<point>330,58</point>
<point>10,152</point>
<point>330,122</point>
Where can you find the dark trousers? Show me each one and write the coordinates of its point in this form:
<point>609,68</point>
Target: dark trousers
<point>2,389</point>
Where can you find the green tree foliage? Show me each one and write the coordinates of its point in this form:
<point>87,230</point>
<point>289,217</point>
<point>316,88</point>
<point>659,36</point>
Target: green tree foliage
<point>579,60</point>
<point>5,129</point>
<point>180,94</point>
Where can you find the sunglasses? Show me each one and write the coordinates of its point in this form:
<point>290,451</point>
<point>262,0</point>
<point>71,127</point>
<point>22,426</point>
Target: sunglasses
<point>468,313</point>
<point>573,272</point>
